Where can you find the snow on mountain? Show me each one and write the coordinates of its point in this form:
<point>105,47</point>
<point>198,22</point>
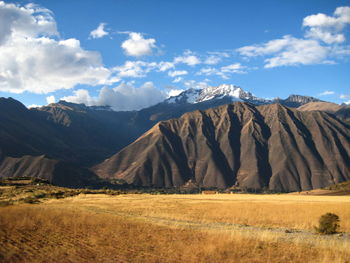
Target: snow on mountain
<point>232,92</point>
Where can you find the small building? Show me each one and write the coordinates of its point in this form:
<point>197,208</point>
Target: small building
<point>209,192</point>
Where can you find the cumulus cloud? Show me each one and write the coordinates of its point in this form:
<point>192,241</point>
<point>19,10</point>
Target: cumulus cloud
<point>121,98</point>
<point>326,93</point>
<point>135,69</point>
<point>224,72</point>
<point>28,21</point>
<point>140,69</point>
<point>188,58</point>
<point>177,73</point>
<point>320,45</point>
<point>215,57</point>
<point>136,45</point>
<point>31,106</point>
<point>175,92</point>
<point>288,51</point>
<point>233,68</point>
<point>328,28</point>
<point>212,60</point>
<point>164,65</point>
<point>195,84</point>
<point>99,32</point>
<point>178,79</point>
<point>31,59</point>
<point>50,99</point>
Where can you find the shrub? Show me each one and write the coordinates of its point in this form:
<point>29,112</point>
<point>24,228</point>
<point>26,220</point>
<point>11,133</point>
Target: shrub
<point>328,224</point>
<point>30,200</point>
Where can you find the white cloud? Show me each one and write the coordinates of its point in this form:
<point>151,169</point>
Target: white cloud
<point>121,98</point>
<point>138,46</point>
<point>99,32</point>
<point>188,58</point>
<point>164,66</point>
<point>33,106</point>
<point>195,84</point>
<point>32,60</point>
<point>213,71</point>
<point>212,60</point>
<point>140,69</point>
<point>50,99</point>
<point>347,102</point>
<point>177,73</point>
<point>178,79</point>
<point>328,28</point>
<point>43,65</point>
<point>272,46</point>
<point>344,96</point>
<point>224,72</point>
<point>81,96</point>
<point>321,44</point>
<point>175,92</point>
<point>28,21</point>
<point>288,51</point>
<point>215,57</point>
<point>324,35</point>
<point>135,69</point>
<point>340,51</point>
<point>233,68</point>
<point>326,93</point>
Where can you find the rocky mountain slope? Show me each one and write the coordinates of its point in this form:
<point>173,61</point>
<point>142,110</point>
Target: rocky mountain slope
<point>342,112</point>
<point>321,106</point>
<point>239,144</point>
<point>77,137</point>
<point>234,93</point>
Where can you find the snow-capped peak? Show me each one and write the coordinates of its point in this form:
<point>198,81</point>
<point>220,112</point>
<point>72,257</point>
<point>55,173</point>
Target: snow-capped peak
<point>232,92</point>
<point>220,91</point>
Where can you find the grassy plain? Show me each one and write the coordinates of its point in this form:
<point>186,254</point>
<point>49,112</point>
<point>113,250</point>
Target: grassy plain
<point>174,228</point>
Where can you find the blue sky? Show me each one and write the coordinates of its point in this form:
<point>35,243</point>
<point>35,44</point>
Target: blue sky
<point>131,54</point>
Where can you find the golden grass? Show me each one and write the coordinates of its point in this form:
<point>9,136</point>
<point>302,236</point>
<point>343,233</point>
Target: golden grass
<point>50,234</point>
<point>129,228</point>
<point>288,211</point>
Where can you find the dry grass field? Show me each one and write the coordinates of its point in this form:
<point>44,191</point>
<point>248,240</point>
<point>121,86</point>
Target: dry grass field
<point>174,228</point>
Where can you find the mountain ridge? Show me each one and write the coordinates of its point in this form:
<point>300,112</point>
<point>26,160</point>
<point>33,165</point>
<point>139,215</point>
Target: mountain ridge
<point>78,136</point>
<point>238,144</point>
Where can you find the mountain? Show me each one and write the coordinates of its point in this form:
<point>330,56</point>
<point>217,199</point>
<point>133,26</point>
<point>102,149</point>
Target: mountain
<point>295,101</point>
<point>202,99</point>
<point>22,132</point>
<point>232,92</point>
<point>93,133</point>
<point>56,172</point>
<point>321,106</point>
<point>254,147</point>
<point>78,137</point>
<point>32,146</point>
<point>64,131</point>
<point>342,112</point>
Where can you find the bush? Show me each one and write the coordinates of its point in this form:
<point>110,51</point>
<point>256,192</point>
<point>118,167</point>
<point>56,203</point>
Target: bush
<point>30,200</point>
<point>328,224</point>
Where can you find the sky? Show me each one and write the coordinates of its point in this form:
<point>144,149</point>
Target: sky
<point>131,54</point>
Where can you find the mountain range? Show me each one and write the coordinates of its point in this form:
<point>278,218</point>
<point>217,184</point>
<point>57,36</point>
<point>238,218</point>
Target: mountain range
<point>68,143</point>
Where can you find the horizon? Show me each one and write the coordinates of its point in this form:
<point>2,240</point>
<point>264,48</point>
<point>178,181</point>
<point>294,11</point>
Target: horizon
<point>131,55</point>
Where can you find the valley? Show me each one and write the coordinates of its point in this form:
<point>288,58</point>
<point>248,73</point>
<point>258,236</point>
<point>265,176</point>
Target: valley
<point>174,131</point>
<point>191,228</point>
<point>217,137</point>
